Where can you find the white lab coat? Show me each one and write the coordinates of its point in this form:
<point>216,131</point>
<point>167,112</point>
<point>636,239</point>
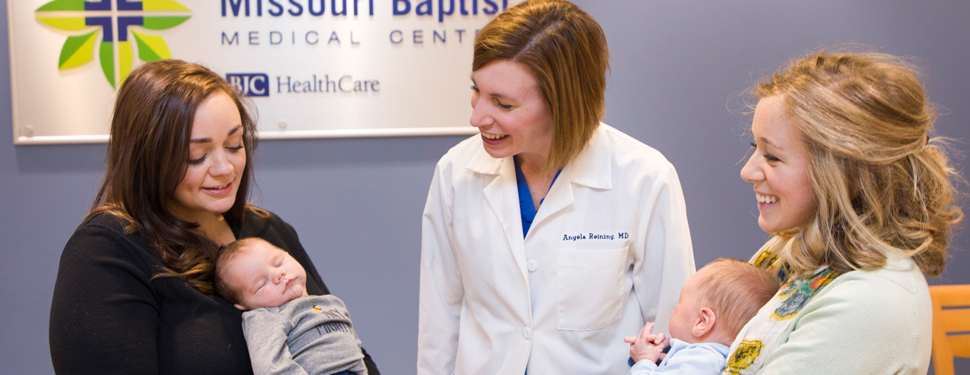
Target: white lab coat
<point>609,249</point>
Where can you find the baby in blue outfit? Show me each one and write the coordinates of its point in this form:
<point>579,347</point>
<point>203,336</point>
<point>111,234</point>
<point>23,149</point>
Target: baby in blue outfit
<point>715,303</point>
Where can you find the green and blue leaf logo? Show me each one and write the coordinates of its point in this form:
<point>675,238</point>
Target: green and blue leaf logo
<point>112,20</point>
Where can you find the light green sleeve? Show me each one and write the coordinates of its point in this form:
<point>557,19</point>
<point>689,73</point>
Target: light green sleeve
<point>864,322</point>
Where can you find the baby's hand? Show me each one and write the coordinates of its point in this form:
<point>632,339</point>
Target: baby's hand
<point>646,345</point>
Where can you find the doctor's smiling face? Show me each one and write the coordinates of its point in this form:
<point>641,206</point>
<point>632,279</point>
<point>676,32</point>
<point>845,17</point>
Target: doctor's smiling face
<point>779,169</point>
<point>512,115</point>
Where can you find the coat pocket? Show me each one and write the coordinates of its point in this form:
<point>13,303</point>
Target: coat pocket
<point>590,288</point>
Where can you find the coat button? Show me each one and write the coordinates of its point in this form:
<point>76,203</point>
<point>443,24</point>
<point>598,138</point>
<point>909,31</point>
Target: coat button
<point>533,266</point>
<point>527,333</point>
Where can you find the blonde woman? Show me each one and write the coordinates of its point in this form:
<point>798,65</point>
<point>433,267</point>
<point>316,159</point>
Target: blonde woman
<point>857,197</point>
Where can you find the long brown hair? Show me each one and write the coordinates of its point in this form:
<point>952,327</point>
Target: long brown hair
<point>882,183</point>
<point>148,153</point>
<point>565,50</point>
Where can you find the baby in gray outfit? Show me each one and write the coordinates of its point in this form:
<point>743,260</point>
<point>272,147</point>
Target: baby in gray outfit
<point>287,330</point>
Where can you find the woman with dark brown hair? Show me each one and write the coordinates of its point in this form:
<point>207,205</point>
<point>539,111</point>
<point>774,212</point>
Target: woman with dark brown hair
<point>134,289</point>
<point>550,236</point>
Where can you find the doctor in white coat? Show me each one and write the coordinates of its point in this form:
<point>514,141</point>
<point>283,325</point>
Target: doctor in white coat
<point>550,236</point>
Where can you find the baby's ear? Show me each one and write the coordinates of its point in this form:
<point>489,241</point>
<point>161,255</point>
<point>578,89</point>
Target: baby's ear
<point>706,320</point>
<point>240,307</point>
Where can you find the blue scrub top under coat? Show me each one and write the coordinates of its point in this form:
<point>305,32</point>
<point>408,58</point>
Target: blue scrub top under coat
<point>526,207</point>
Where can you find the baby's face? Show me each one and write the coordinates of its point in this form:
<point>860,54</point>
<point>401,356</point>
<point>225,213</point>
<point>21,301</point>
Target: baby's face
<point>265,276</point>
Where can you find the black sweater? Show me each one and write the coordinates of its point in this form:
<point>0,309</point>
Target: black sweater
<point>109,316</point>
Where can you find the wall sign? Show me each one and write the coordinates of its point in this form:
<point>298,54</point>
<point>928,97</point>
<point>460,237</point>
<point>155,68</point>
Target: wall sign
<point>312,68</point>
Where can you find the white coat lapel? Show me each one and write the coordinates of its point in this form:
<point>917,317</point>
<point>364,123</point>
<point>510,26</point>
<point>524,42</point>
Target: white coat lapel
<point>591,168</point>
<point>502,196</point>
<point>558,198</point>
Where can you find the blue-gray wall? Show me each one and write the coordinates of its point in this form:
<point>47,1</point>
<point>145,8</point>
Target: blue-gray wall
<point>677,69</point>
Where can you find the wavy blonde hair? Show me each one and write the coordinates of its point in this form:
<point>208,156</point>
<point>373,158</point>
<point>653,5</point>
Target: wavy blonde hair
<point>881,183</point>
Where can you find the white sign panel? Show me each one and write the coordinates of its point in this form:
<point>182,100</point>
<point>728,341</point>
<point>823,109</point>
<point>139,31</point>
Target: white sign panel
<point>313,68</point>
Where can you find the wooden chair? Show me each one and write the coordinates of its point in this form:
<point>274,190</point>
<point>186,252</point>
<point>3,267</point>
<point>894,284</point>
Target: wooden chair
<point>951,314</point>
